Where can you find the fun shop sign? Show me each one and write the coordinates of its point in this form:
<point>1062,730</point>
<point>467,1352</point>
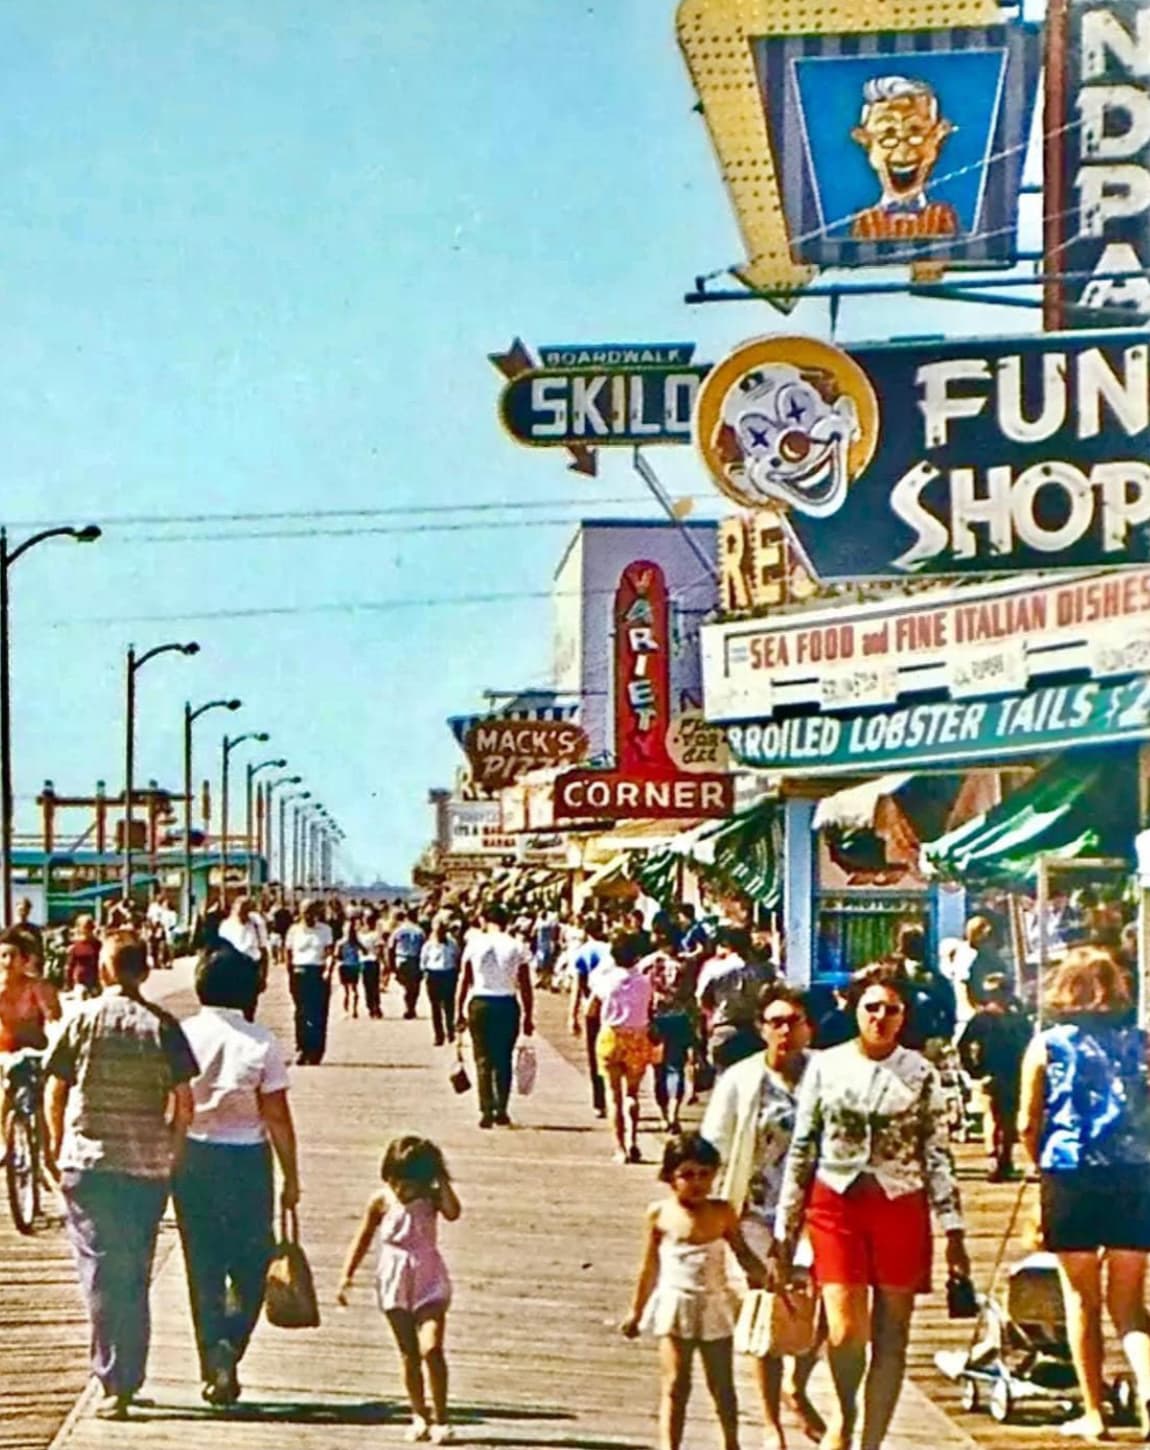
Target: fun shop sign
<point>971,456</point>
<point>646,782</point>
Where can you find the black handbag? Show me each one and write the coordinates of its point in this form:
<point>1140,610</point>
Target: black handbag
<point>961,1300</point>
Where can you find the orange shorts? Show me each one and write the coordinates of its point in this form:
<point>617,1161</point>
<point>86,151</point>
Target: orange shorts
<point>628,1052</point>
<point>863,1237</point>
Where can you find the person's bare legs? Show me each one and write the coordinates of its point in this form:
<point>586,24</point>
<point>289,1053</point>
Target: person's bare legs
<point>618,1112</point>
<point>407,1338</point>
<point>431,1335</point>
<point>1081,1275</point>
<point>799,1401</point>
<point>1125,1299</point>
<point>848,1333</point>
<point>675,1357</point>
<point>890,1330</point>
<point>719,1367</point>
<point>769,1373</point>
<point>633,1115</point>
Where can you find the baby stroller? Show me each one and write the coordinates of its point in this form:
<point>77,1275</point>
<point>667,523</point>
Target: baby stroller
<point>1019,1355</point>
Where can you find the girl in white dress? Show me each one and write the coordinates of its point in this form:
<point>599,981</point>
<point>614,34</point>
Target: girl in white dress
<point>412,1282</point>
<point>683,1295</point>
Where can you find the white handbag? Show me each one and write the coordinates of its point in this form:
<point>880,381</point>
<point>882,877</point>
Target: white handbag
<point>526,1069</point>
<point>777,1324</point>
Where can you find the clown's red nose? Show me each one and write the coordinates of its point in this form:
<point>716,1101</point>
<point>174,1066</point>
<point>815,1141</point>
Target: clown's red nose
<point>794,446</point>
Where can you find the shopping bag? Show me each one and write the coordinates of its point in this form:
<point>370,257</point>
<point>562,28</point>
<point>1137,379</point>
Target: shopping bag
<point>526,1068</point>
<point>776,1323</point>
<point>459,1079</point>
<point>290,1301</point>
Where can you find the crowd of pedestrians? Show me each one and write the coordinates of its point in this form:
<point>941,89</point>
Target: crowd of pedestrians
<point>820,1159</point>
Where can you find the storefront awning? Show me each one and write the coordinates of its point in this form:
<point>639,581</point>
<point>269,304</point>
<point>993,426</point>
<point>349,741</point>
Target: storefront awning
<point>744,852</point>
<point>1080,804</point>
<point>854,809</point>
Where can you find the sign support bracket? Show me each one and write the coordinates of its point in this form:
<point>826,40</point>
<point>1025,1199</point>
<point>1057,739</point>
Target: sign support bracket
<point>665,502</point>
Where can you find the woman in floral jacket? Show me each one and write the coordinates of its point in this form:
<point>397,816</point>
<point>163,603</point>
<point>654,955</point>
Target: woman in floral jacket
<point>868,1161</point>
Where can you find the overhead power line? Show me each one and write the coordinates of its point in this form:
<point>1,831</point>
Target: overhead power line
<point>260,516</point>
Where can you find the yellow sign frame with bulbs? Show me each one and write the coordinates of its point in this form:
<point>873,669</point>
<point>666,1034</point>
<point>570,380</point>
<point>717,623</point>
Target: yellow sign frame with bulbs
<point>715,38</point>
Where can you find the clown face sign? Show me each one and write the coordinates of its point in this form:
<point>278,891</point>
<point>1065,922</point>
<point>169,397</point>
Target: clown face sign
<point>975,455</point>
<point>788,420</point>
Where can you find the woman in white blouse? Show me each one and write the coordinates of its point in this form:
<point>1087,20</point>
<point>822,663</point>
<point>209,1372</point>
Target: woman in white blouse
<point>224,1187</point>
<point>869,1160</point>
<point>750,1119</point>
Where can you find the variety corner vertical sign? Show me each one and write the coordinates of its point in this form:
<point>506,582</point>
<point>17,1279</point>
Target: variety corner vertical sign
<point>646,782</point>
<point>1097,185</point>
<point>642,671</point>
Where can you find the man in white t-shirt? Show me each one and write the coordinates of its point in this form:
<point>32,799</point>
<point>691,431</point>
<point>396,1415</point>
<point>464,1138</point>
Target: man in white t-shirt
<point>308,949</point>
<point>244,929</point>
<point>496,977</point>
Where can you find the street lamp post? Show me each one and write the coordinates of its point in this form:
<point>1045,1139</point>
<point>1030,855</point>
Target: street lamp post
<point>272,787</point>
<point>86,535</point>
<point>229,744</point>
<point>252,772</point>
<point>137,662</point>
<point>299,795</point>
<point>319,829</point>
<point>308,816</point>
<point>190,718</point>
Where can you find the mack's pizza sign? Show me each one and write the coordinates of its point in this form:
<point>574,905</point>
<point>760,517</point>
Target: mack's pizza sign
<point>504,751</point>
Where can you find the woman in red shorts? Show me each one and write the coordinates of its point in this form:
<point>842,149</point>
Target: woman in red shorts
<point>868,1161</point>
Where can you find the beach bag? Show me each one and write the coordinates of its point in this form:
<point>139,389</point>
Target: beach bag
<point>290,1302</point>
<point>526,1069</point>
<point>776,1323</point>
<point>459,1079</point>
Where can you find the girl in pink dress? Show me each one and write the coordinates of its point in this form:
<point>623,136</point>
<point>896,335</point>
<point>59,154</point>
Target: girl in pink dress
<point>412,1281</point>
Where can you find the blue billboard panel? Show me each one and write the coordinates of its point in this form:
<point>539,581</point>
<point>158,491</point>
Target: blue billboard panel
<point>901,147</point>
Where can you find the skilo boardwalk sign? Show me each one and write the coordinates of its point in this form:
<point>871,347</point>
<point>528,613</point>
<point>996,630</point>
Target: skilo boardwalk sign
<point>940,457</point>
<point>607,395</point>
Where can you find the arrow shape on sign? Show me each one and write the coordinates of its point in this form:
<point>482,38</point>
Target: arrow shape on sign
<point>584,460</point>
<point>518,360</point>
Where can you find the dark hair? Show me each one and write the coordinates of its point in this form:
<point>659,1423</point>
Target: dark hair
<point>877,974</point>
<point>1088,979</point>
<point>414,1162</point>
<point>593,925</point>
<point>127,955</point>
<point>735,938</point>
<point>784,992</point>
<point>687,910</point>
<point>688,1148</point>
<point>23,941</point>
<point>912,942</point>
<point>226,978</point>
<point>626,947</point>
<point>496,915</point>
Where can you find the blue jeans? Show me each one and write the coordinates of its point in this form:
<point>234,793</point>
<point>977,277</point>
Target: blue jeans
<point>675,1034</point>
<point>225,1199</point>
<point>112,1222</point>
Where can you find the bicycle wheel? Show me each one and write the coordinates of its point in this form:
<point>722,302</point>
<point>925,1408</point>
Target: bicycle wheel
<point>22,1169</point>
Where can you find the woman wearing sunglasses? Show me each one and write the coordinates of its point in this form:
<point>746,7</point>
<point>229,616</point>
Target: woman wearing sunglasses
<point>869,1160</point>
<point>750,1120</point>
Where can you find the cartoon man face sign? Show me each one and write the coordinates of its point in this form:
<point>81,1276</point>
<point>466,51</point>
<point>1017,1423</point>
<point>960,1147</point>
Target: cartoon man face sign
<point>903,132</point>
<point>792,432</point>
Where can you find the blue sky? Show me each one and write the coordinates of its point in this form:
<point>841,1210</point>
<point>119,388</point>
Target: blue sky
<point>253,256</point>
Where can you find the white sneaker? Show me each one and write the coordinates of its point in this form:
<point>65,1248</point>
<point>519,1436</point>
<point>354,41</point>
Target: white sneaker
<point>442,1435</point>
<point>418,1429</point>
